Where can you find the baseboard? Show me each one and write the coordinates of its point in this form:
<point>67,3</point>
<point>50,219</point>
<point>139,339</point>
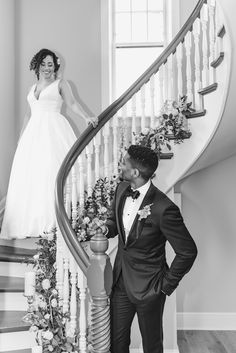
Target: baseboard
<point>137,350</point>
<point>206,321</point>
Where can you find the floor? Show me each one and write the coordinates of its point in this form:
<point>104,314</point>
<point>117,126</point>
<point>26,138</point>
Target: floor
<point>207,341</point>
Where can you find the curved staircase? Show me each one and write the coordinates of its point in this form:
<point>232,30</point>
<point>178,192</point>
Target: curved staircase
<point>196,63</point>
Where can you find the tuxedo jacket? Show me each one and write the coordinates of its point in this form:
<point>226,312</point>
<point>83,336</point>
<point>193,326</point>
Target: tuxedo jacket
<point>142,258</point>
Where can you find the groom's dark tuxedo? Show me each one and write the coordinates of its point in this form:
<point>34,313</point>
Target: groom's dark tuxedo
<point>140,266</point>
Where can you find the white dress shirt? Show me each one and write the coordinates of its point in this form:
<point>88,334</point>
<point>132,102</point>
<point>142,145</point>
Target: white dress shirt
<point>132,206</point>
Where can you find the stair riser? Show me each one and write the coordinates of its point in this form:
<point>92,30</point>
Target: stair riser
<point>16,340</point>
<point>13,301</point>
<point>14,269</point>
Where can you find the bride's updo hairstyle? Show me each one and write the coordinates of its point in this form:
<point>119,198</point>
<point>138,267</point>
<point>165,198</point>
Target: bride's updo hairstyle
<point>40,56</point>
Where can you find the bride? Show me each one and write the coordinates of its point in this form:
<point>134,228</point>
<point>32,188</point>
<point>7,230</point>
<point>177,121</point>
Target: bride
<point>45,140</point>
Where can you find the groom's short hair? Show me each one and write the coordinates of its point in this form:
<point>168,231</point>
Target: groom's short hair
<point>144,159</point>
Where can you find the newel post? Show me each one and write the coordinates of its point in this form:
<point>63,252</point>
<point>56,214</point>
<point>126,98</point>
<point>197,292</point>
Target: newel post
<point>99,277</point>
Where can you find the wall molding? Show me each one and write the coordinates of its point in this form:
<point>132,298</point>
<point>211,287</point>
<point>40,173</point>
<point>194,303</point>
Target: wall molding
<point>206,321</point>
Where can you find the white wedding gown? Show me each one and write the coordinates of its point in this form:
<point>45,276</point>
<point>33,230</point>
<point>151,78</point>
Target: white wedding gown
<point>45,142</point>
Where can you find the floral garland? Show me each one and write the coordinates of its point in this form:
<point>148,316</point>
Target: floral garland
<point>172,124</point>
<point>47,318</point>
<point>97,208</point>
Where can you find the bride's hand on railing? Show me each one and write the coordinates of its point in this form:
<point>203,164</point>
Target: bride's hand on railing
<point>92,120</point>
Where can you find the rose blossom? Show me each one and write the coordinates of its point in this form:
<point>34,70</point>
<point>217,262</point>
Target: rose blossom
<point>46,284</point>
<point>47,316</point>
<point>48,335</point>
<point>54,303</point>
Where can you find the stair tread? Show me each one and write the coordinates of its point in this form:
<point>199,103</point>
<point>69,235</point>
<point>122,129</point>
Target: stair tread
<point>11,321</point>
<point>11,284</point>
<point>28,243</point>
<point>19,351</point>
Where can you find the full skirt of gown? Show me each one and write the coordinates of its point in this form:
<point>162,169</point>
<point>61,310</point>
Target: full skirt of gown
<point>30,204</point>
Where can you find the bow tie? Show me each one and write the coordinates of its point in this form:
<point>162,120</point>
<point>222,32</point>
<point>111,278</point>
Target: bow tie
<point>133,193</point>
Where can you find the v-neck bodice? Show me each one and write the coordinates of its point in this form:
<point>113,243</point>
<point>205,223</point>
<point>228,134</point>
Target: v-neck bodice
<point>49,99</point>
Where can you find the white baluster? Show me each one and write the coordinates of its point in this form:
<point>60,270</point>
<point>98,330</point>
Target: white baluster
<point>152,95</point>
<point>73,302</point>
<point>89,152</point>
<point>74,198</point>
<point>134,118</point>
<point>81,182</point>
<point>170,81</point>
<point>179,55</point>
<point>115,144</point>
<point>68,196</point>
<point>165,78</point>
<point>160,88</point>
<point>106,133</point>
<point>205,70</point>
<point>82,285</point>
<point>188,44</point>
<point>198,84</point>
<point>59,264</point>
<point>143,103</point>
<point>97,144</point>
<point>66,285</point>
<point>211,6</point>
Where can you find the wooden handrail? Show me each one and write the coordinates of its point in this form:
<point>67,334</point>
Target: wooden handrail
<point>67,232</point>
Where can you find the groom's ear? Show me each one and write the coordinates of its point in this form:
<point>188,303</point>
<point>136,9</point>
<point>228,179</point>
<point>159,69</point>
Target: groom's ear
<point>136,173</point>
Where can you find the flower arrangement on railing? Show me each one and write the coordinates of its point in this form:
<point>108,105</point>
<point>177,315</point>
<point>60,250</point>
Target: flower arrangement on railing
<point>172,124</point>
<point>96,209</point>
<point>46,316</point>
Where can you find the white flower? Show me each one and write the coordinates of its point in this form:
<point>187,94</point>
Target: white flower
<point>33,328</point>
<point>48,335</point>
<point>70,333</point>
<point>42,304</point>
<point>54,303</point>
<point>36,257</point>
<point>86,220</point>
<point>103,209</point>
<point>144,212</point>
<point>47,316</point>
<point>54,292</point>
<point>145,131</point>
<point>50,236</point>
<point>50,348</point>
<point>46,284</point>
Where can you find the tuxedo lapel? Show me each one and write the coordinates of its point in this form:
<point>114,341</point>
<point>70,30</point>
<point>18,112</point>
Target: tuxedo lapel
<point>119,211</point>
<point>137,225</point>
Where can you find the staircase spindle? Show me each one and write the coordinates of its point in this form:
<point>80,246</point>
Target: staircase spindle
<point>74,197</point>
<point>179,55</point>
<point>115,125</point>
<point>152,95</point>
<point>97,146</point>
<point>205,70</point>
<point>211,7</point>
<point>106,134</point>
<point>66,286</point>
<point>73,301</point>
<point>188,46</point>
<point>82,285</point>
<point>134,117</point>
<point>160,89</point>
<point>143,104</point>
<point>198,83</point>
<point>89,152</point>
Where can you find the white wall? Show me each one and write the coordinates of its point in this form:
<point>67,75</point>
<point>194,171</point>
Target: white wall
<point>72,29</point>
<point>7,74</point>
<point>208,198</point>
<point>186,7</point>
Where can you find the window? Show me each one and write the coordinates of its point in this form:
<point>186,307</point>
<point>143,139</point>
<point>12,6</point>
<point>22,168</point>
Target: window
<point>139,35</point>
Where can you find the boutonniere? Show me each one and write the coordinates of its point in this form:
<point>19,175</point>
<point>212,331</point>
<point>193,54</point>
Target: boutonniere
<point>144,212</point>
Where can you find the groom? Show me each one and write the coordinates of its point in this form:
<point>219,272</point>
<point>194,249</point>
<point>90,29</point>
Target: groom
<point>144,219</point>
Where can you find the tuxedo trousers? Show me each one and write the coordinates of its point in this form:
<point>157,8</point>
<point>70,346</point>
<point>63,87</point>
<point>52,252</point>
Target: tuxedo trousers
<point>149,313</point>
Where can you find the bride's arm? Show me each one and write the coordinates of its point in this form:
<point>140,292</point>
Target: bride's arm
<point>69,99</point>
<point>26,119</point>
